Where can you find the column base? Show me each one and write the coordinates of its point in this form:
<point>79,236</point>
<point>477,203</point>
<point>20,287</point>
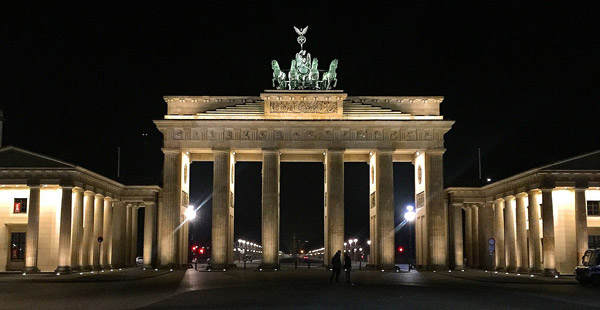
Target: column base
<point>147,266</point>
<point>436,267</point>
<point>523,270</point>
<point>550,272</point>
<point>86,268</point>
<point>499,268</point>
<point>63,269</point>
<point>511,269</point>
<point>459,267</point>
<point>262,267</point>
<point>31,269</point>
<point>535,270</point>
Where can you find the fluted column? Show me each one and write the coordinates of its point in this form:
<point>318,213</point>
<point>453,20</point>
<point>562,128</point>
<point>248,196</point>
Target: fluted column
<point>169,210</point>
<point>270,209</point>
<point>128,225</point>
<point>384,208</point>
<point>436,216</point>
<point>77,228</point>
<point>149,232</point>
<point>334,204</point>
<point>581,232</point>
<point>88,230</point>
<point>521,219</point>
<point>222,217</point>
<point>64,239</point>
<point>535,244</point>
<point>548,228</point>
<point>134,235</point>
<point>486,220</point>
<point>98,225</point>
<point>118,253</point>
<point>510,243</point>
<point>500,258</point>
<point>457,232</point>
<point>469,236</point>
<point>107,233</point>
<point>33,229</point>
<point>475,235</point>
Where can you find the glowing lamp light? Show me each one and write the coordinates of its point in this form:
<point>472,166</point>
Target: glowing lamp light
<point>190,213</point>
<point>410,214</point>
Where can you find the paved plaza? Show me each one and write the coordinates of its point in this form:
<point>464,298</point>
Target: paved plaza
<point>292,289</point>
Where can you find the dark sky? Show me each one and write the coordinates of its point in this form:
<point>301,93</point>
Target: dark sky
<point>521,80</point>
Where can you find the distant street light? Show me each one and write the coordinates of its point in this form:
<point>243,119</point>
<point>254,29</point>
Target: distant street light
<point>190,213</point>
<point>409,215</point>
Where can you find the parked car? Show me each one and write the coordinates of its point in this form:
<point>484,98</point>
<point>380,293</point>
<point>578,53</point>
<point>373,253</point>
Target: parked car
<point>139,260</point>
<point>589,271</point>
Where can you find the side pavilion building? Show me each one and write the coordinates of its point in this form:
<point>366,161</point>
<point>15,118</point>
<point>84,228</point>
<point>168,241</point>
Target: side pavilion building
<point>52,214</point>
<point>538,221</point>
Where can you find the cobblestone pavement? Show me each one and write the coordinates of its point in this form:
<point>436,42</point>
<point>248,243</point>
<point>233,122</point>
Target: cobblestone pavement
<point>296,289</point>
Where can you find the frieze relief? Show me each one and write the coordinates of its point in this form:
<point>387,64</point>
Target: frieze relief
<point>297,134</point>
<point>318,107</point>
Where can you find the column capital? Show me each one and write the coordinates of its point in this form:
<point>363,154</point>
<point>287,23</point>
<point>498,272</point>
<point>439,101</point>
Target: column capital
<point>67,187</point>
<point>458,204</point>
<point>534,191</point>
<point>270,150</point>
<point>498,200</point>
<point>434,151</point>
<point>89,193</point>
<point>521,195</point>
<point>99,196</point>
<point>546,190</point>
<point>78,189</point>
<point>385,151</point>
<point>335,150</point>
<point>170,150</point>
<point>509,197</point>
<point>221,150</point>
<point>108,198</point>
<point>581,189</point>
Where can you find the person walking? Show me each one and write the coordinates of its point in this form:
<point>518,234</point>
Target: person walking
<point>336,265</point>
<point>347,267</point>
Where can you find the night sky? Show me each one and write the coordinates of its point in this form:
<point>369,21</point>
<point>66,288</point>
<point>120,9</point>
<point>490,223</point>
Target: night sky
<point>522,82</point>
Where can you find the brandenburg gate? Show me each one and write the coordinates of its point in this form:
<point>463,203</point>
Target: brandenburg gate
<point>303,119</point>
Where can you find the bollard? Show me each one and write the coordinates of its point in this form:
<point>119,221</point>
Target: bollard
<point>360,265</point>
<point>196,265</point>
<point>296,264</point>
<point>309,264</point>
<point>244,265</point>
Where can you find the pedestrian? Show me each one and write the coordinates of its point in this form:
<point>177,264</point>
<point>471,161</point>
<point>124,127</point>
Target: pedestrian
<point>336,265</point>
<point>347,267</point>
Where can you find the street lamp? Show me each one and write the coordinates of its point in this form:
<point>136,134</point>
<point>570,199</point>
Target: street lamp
<point>190,213</point>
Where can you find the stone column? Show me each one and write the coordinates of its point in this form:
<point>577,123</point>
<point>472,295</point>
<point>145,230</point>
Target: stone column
<point>88,229</point>
<point>128,224</point>
<point>522,255</point>
<point>384,205</point>
<point>149,232</point>
<point>33,229</point>
<point>334,204</point>
<point>134,235</point>
<point>581,233</point>
<point>64,239</point>
<point>475,235</point>
<point>270,209</point>
<point>500,258</point>
<point>535,244</point>
<point>170,209</point>
<point>510,243</point>
<point>469,236</point>
<point>106,233</point>
<point>98,225</point>
<point>457,232</point>
<point>118,234</point>
<point>77,228</point>
<point>222,224</point>
<point>548,227</point>
<point>436,216</point>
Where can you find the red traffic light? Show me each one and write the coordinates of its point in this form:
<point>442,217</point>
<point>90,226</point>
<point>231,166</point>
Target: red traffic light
<point>400,249</point>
